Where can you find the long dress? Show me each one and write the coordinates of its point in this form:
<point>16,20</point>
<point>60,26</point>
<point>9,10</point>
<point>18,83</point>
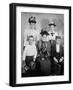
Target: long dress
<point>44,57</point>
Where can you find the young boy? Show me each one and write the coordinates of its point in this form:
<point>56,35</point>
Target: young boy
<point>29,54</point>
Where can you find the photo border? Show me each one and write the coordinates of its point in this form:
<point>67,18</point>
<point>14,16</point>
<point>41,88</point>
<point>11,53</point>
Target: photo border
<point>12,64</point>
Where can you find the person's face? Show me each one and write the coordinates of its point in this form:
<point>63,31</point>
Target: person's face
<point>44,37</point>
<point>31,41</point>
<point>52,27</point>
<point>32,25</point>
<point>58,41</point>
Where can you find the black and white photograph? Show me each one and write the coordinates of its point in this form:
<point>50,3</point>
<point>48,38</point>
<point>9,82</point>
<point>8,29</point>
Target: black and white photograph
<point>40,40</point>
<point>42,37</point>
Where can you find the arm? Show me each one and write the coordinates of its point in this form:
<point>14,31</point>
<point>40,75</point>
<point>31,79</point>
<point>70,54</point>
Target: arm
<point>62,54</point>
<point>49,48</point>
<point>61,59</point>
<point>35,53</point>
<point>24,53</point>
<point>25,38</point>
<point>55,59</point>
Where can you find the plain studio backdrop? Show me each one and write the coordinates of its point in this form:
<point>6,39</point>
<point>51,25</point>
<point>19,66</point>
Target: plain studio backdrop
<point>42,23</point>
<point>4,44</point>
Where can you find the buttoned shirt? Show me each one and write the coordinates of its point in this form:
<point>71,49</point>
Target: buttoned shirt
<point>52,35</point>
<point>30,50</point>
<point>57,48</point>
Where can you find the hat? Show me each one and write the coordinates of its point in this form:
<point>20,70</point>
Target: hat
<point>32,20</point>
<point>52,23</point>
<point>44,33</point>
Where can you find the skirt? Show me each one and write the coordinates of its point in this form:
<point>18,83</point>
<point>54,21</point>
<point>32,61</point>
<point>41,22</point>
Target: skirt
<point>45,66</point>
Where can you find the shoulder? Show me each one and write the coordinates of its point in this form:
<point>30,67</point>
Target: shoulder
<point>26,32</point>
<point>38,44</point>
<point>37,32</point>
<point>61,46</point>
<point>27,46</point>
<point>56,33</point>
<point>34,46</point>
<point>54,45</point>
<point>49,32</point>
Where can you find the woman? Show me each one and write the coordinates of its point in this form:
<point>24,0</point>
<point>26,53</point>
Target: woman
<point>44,49</point>
<point>31,31</point>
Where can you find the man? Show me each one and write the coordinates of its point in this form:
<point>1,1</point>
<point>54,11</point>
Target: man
<point>44,49</point>
<point>58,57</point>
<point>52,32</point>
<point>31,31</point>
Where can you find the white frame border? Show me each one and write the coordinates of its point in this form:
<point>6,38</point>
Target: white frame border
<point>26,80</point>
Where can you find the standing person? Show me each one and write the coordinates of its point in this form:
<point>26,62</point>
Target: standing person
<point>58,57</point>
<point>29,55</point>
<point>31,31</point>
<point>44,49</point>
<point>52,33</point>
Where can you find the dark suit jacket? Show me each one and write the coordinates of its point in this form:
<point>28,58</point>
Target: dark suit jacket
<point>55,54</point>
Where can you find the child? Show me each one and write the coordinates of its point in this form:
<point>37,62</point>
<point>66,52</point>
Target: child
<point>29,54</point>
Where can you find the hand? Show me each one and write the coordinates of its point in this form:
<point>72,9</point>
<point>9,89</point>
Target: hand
<point>26,68</point>
<point>42,59</point>
<point>34,59</point>
<point>23,63</point>
<point>55,59</point>
<point>48,54</point>
<point>61,59</point>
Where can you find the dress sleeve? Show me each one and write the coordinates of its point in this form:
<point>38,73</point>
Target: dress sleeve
<point>49,48</point>
<point>25,38</point>
<point>24,53</point>
<point>38,35</point>
<point>35,52</point>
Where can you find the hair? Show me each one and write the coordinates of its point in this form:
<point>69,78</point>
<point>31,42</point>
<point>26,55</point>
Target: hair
<point>30,37</point>
<point>58,37</point>
<point>32,20</point>
<point>52,24</point>
<point>44,33</point>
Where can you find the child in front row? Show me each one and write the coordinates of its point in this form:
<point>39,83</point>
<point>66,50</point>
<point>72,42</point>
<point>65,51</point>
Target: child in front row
<point>29,54</point>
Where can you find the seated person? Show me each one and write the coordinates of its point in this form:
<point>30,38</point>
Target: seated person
<point>29,55</point>
<point>58,57</point>
<point>43,48</point>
